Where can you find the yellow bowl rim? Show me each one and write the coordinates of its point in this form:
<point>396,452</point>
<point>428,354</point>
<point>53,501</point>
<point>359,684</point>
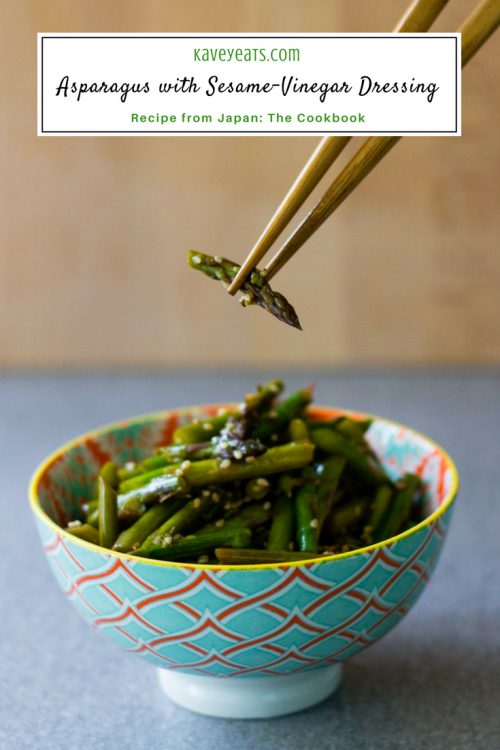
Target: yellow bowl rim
<point>39,471</point>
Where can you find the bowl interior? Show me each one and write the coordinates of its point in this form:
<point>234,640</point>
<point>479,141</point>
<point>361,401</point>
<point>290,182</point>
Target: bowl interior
<point>69,475</point>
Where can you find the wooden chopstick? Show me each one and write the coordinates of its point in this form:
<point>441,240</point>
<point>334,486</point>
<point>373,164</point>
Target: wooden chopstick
<point>478,27</point>
<point>420,16</point>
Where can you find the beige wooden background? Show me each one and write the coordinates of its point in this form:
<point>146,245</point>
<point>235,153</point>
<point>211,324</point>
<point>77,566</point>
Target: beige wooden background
<point>94,231</point>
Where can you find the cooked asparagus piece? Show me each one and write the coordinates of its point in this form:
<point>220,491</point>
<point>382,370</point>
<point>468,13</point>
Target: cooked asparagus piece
<point>193,546</point>
<point>148,464</point>
<point>143,527</point>
<point>108,514</point>
<point>109,472</point>
<point>158,489</point>
<point>249,518</point>
<point>256,289</point>
<point>218,447</point>
<point>264,398</point>
<point>185,519</point>
<point>347,424</point>
<point>329,474</point>
<point>231,556</point>
<point>141,480</point>
<point>234,440</point>
<point>93,517</point>
<point>282,527</point>
<point>306,514</point>
<point>84,531</point>
<point>234,448</point>
<point>197,432</point>
<point>399,511</point>
<point>290,408</point>
<point>364,466</point>
<point>346,515</point>
<point>257,489</point>
<point>297,430</point>
<point>378,510</point>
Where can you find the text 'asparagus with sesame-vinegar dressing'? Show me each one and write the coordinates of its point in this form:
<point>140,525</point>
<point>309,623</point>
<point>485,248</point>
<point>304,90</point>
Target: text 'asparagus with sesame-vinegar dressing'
<point>260,482</point>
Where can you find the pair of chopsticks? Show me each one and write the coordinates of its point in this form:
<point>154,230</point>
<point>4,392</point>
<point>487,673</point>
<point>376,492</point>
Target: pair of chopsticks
<point>475,31</point>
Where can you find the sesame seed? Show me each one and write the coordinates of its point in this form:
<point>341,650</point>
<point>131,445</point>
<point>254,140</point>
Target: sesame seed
<point>74,524</point>
<point>215,497</point>
<point>267,505</point>
<point>177,537</point>
<point>168,539</point>
<point>314,523</point>
<point>179,473</point>
<point>221,411</point>
<point>227,506</point>
<point>185,465</point>
<point>206,493</point>
<point>225,464</point>
<point>249,459</point>
<point>220,523</point>
<point>217,258</point>
<point>247,298</point>
<point>203,559</point>
<point>238,455</point>
<point>274,438</point>
<point>157,540</point>
<point>261,482</point>
<point>197,503</point>
<point>130,465</point>
<point>206,426</point>
<point>196,260</point>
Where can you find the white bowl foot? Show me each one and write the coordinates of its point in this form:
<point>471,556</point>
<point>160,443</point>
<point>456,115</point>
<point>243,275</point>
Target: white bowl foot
<point>250,697</point>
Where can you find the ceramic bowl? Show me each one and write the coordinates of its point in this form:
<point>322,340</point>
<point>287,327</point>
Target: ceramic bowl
<point>240,641</point>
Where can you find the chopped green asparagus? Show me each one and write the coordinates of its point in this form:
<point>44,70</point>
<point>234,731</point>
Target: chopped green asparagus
<point>332,442</point>
<point>186,518</point>
<point>256,289</point>
<point>329,474</point>
<point>201,429</point>
<point>143,527</point>
<point>306,514</point>
<point>108,513</point>
<point>399,512</point>
<point>282,528</point>
<point>261,482</point>
<point>231,556</point>
<point>192,546</point>
<point>84,531</point>
<point>249,518</point>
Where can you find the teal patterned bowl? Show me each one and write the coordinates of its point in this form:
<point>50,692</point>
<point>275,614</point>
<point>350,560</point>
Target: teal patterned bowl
<point>240,641</point>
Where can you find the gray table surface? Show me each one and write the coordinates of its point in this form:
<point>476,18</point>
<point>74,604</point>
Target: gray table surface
<point>433,682</point>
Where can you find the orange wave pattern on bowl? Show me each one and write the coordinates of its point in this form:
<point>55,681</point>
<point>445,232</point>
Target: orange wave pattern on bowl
<point>228,621</point>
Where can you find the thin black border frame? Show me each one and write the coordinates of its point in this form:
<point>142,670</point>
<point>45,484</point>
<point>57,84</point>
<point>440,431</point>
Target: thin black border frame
<point>248,132</point>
